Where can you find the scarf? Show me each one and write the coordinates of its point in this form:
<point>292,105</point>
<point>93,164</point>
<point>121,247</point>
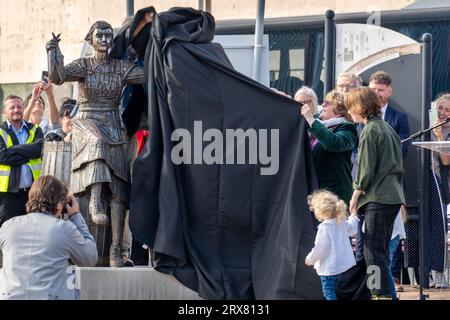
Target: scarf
<point>330,124</point>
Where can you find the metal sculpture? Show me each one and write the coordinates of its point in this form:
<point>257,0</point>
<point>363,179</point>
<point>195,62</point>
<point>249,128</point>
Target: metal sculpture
<point>100,171</point>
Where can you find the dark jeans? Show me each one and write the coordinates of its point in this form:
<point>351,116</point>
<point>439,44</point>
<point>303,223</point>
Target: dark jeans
<point>393,245</point>
<point>359,245</point>
<point>12,205</point>
<point>397,262</point>
<point>329,284</point>
<point>373,244</point>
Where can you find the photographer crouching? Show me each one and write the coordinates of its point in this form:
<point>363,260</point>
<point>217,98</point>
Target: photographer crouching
<point>37,247</point>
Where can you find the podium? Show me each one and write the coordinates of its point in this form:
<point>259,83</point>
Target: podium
<point>439,146</point>
<point>425,210</point>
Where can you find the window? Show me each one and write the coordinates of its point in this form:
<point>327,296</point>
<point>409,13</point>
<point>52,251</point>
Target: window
<point>274,64</point>
<point>297,63</point>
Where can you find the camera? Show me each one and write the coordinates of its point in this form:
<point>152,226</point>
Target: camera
<point>44,76</point>
<point>433,116</point>
<point>69,202</point>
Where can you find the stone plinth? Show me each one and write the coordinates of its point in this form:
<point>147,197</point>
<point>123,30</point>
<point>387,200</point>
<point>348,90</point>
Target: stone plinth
<point>137,283</point>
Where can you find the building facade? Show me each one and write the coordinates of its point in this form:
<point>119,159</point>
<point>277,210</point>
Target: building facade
<point>26,25</point>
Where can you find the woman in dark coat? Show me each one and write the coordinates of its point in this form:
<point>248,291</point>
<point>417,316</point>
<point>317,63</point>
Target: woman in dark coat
<point>333,137</point>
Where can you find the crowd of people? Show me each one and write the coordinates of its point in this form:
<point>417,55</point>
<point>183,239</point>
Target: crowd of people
<point>355,141</point>
<point>359,157</point>
<point>29,201</point>
<point>99,161</point>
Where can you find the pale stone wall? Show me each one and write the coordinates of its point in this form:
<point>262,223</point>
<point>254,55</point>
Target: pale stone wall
<point>24,33</point>
<point>26,25</point>
<point>237,9</point>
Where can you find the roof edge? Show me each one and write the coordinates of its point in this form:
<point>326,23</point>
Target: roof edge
<point>388,16</point>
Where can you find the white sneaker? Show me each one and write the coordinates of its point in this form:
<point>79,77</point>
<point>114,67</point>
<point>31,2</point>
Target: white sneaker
<point>440,281</point>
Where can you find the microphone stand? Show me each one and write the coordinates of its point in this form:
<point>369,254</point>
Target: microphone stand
<point>422,132</point>
<point>412,137</point>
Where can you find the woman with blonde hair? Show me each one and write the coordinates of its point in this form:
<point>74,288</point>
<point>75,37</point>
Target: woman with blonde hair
<point>332,139</point>
<point>307,96</point>
<point>332,253</point>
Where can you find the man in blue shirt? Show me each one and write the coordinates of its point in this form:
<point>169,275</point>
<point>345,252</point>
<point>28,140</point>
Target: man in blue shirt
<point>20,158</point>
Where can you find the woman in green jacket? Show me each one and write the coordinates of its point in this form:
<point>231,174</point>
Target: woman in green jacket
<point>333,137</point>
<point>378,192</point>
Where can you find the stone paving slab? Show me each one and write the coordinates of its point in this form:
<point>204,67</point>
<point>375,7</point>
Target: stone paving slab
<point>412,293</point>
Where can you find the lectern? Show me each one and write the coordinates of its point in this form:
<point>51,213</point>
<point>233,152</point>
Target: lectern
<point>439,146</point>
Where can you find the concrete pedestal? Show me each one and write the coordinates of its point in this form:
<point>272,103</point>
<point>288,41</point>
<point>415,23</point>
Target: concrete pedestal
<point>137,283</point>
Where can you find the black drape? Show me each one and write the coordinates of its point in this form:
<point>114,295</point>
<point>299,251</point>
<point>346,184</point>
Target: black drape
<point>224,230</point>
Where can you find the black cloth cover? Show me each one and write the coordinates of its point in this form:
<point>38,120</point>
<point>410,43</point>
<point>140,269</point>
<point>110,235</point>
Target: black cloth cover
<point>140,42</point>
<point>225,231</point>
<point>125,37</point>
<point>353,283</point>
<point>134,110</point>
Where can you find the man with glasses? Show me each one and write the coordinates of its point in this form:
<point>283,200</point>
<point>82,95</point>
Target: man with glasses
<point>347,81</point>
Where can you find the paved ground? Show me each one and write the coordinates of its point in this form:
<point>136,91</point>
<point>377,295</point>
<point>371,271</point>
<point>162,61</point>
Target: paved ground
<point>412,293</point>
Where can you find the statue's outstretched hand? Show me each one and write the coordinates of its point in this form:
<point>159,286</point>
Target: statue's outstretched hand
<point>53,43</point>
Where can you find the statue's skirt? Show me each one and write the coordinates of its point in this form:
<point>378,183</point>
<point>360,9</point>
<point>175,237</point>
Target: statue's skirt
<point>99,152</point>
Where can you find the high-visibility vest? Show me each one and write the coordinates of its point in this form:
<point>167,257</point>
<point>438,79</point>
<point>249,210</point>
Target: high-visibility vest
<point>34,164</point>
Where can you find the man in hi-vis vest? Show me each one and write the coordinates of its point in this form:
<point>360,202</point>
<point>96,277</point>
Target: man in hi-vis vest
<point>20,158</point>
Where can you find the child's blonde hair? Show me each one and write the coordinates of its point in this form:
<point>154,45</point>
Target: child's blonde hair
<point>326,205</point>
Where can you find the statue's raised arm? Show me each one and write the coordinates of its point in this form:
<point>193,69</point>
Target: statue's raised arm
<point>59,73</point>
<point>55,58</point>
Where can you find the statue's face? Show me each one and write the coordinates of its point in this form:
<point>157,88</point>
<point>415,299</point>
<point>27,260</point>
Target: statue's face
<point>102,39</point>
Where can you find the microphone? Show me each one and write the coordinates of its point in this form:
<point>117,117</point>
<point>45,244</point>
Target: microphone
<point>420,133</point>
